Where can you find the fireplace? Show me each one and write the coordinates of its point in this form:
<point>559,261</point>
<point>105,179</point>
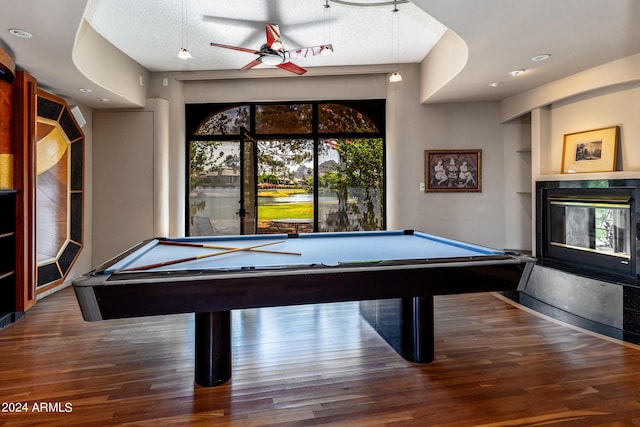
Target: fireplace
<point>589,227</point>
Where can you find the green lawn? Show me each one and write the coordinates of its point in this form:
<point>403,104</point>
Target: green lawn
<point>286,210</point>
<point>283,210</point>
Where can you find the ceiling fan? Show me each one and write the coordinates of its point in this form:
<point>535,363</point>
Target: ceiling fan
<point>274,53</point>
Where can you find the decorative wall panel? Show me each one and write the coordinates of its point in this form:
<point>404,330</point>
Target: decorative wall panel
<point>60,193</point>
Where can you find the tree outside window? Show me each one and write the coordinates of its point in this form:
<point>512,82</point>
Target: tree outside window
<point>353,171</point>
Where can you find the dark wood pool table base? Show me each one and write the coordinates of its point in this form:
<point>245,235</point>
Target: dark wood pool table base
<point>415,341</point>
<point>212,297</point>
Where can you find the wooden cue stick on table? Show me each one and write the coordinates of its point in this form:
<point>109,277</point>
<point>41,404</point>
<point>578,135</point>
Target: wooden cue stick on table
<point>205,245</point>
<point>193,258</point>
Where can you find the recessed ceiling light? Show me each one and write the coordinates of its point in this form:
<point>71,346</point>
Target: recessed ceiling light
<point>495,84</point>
<point>20,33</point>
<point>542,57</point>
<point>85,90</point>
<point>516,72</point>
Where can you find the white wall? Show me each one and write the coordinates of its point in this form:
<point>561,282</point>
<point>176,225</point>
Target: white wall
<point>411,129</point>
<point>123,186</point>
<point>472,217</point>
<point>615,106</point>
<point>369,86</point>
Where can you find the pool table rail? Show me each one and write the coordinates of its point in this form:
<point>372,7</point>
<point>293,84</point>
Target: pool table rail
<point>170,292</point>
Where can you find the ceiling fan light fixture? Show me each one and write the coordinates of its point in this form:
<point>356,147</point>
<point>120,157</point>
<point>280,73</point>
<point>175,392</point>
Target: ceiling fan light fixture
<point>184,54</point>
<point>273,52</point>
<point>395,77</point>
<point>272,60</point>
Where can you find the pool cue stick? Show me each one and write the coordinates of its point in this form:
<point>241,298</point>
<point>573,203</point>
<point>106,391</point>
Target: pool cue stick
<point>192,258</point>
<point>204,245</point>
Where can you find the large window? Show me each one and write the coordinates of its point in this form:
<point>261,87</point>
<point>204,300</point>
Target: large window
<point>314,166</point>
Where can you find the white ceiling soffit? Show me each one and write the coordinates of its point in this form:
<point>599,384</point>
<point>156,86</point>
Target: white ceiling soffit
<point>152,32</point>
<point>504,35</point>
<point>501,35</point>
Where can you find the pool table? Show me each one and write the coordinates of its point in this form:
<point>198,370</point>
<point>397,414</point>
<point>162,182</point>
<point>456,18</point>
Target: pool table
<point>210,276</point>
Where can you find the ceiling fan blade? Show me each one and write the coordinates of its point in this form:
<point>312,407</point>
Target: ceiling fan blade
<point>273,37</point>
<point>305,52</point>
<point>250,65</point>
<point>307,24</point>
<point>247,23</point>
<point>253,37</point>
<point>290,66</point>
<point>241,49</point>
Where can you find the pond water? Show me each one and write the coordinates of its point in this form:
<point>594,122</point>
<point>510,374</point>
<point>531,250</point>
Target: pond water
<point>221,204</point>
<point>293,198</point>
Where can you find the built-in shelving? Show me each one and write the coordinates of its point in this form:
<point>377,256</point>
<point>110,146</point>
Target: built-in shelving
<point>517,183</point>
<point>8,259</point>
<point>524,166</point>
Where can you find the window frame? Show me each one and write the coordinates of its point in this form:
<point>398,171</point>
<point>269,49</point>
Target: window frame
<point>373,109</point>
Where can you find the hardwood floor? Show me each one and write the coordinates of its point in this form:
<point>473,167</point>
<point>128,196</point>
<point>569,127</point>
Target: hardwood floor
<point>496,365</point>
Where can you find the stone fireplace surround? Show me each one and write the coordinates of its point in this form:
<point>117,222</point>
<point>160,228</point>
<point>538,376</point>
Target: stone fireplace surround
<point>572,289</point>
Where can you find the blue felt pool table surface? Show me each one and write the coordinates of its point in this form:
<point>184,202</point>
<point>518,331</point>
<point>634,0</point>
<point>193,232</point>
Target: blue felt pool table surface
<point>323,249</point>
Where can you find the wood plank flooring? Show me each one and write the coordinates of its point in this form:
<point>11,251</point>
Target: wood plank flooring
<point>496,365</point>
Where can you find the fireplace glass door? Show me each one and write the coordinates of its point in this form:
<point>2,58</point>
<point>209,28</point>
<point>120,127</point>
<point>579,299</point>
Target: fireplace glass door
<point>591,229</point>
<point>591,226</point>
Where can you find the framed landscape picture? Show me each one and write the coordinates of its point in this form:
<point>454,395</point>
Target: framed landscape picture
<point>590,151</point>
<point>452,170</point>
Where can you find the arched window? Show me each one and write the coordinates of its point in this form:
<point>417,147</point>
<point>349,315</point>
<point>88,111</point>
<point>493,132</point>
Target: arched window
<point>227,122</point>
<point>340,118</point>
<point>319,166</point>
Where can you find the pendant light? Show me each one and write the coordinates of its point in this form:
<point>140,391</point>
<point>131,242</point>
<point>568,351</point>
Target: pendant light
<point>395,77</point>
<point>184,52</point>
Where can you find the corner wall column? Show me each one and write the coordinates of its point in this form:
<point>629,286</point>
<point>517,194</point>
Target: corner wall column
<point>540,130</point>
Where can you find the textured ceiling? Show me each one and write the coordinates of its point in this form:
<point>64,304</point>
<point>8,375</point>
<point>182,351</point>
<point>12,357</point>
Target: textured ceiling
<point>500,35</point>
<point>360,35</point>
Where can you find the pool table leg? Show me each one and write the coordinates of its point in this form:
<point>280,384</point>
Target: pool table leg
<point>407,324</point>
<point>419,321</point>
<point>213,348</point>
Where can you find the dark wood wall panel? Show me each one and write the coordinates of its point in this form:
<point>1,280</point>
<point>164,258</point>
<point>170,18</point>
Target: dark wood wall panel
<point>26,87</point>
<point>6,135</point>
